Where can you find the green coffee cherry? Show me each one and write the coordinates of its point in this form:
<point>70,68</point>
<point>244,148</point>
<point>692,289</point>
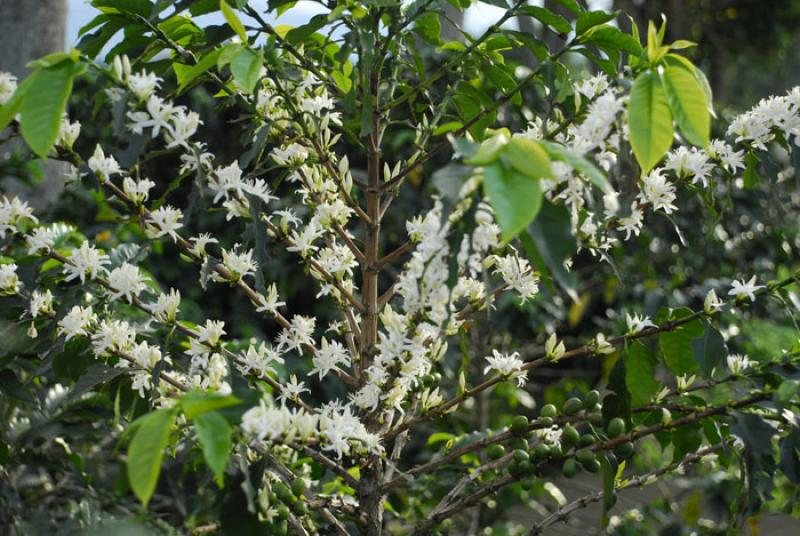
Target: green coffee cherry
<point>548,410</point>
<point>569,468</point>
<point>283,511</point>
<point>571,406</point>
<point>518,443</point>
<point>281,528</point>
<point>541,452</point>
<point>615,428</point>
<point>519,425</point>
<point>556,451</point>
<point>521,456</point>
<point>585,456</point>
<point>527,483</point>
<point>570,436</point>
<point>591,398</point>
<point>495,452</point>
<point>625,450</point>
<point>596,418</point>
<point>586,440</point>
<point>525,467</point>
<point>546,421</point>
<point>592,466</point>
<point>300,508</point>
<point>298,487</point>
<point>283,492</point>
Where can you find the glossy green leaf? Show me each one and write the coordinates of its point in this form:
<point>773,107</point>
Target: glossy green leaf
<point>608,37</point>
<point>44,103</point>
<point>548,18</point>
<point>676,345</point>
<point>246,68</point>
<point>527,157</point>
<point>147,450</point>
<point>233,20</point>
<point>549,241</point>
<point>214,436</point>
<point>516,198</point>
<point>429,27</point>
<point>640,367</point>
<point>590,19</point>
<point>196,403</point>
<point>187,74</point>
<point>649,120</point>
<point>709,350</point>
<point>578,163</point>
<point>687,100</point>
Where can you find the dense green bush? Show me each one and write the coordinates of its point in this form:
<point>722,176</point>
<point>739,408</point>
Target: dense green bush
<point>510,274</point>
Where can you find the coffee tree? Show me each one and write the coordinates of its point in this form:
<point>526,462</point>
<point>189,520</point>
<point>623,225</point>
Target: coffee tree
<point>440,205</point>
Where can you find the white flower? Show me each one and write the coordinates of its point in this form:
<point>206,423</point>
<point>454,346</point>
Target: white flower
<point>137,190</point>
<point>76,322</point>
<point>712,303</point>
<point>8,85</point>
<point>42,239</point>
<point>112,336</point>
<point>602,346</point>
<point>656,189</point>
<point>200,243</point>
<point>592,86</point>
<point>685,381</point>
<point>102,165</point>
<point>518,275</point>
<point>183,126</point>
<point>330,356</point>
<point>165,220</point>
<point>143,84</point>
<point>269,303</point>
<point>211,333</point>
<point>126,280</point>
<point>293,154</point>
<point>83,261</point>
<point>41,303</point>
<point>166,307</point>
<point>68,132</point>
<point>507,365</point>
<point>632,224</point>
<point>739,288</point>
<point>790,416</point>
<point>12,213</point>
<point>292,389</point>
<point>259,359</point>
<point>9,281</point>
<point>300,332</point>
<point>738,363</point>
<point>690,163</point>
<point>637,323</point>
<point>239,264</point>
<point>554,349</point>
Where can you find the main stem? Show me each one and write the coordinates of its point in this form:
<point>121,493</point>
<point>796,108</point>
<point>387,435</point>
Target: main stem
<point>369,492</point>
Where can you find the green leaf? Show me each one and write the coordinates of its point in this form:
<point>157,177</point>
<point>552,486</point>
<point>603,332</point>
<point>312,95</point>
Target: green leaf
<point>640,367</point>
<point>549,241</point>
<point>527,157</point>
<point>750,174</point>
<point>609,465</point>
<point>516,198</point>
<point>186,75</point>
<point>488,151</point>
<point>590,19</point>
<point>195,403</point>
<point>578,163</point>
<point>548,18</point>
<point>9,110</point>
<point>44,103</point>
<point>676,345</point>
<point>438,437</point>
<point>687,100</point>
<point>214,436</point>
<point>607,38</point>
<point>233,20</point>
<point>146,451</point>
<point>709,350</point>
<point>429,27</point>
<point>571,5</point>
<point>135,7</point>
<point>246,68</point>
<point>649,120</point>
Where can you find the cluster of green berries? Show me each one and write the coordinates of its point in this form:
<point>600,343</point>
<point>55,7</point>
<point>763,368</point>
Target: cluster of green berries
<point>525,457</point>
<point>286,499</point>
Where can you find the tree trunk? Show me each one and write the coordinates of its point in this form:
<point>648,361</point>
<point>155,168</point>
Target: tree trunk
<point>31,29</point>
